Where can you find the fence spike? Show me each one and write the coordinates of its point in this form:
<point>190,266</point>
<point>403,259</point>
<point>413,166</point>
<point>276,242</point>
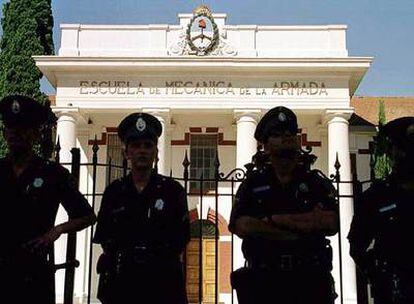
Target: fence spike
<point>337,163</point>
<point>186,164</point>
<point>217,165</point>
<point>95,147</point>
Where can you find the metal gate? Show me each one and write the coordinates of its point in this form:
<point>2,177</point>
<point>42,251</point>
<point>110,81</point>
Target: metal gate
<point>230,180</point>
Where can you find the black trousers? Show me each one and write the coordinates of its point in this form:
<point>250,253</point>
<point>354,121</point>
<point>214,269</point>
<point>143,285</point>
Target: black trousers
<point>25,286</point>
<point>285,287</point>
<point>153,283</point>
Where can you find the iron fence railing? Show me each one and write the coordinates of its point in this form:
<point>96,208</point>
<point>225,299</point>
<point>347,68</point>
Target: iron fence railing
<point>230,181</point>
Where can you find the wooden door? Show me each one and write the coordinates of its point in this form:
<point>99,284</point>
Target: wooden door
<point>208,274</point>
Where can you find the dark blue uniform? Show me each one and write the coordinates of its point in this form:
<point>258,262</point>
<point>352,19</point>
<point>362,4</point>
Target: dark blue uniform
<point>384,220</point>
<point>296,271</point>
<point>143,235</point>
<point>385,216</point>
<point>29,206</point>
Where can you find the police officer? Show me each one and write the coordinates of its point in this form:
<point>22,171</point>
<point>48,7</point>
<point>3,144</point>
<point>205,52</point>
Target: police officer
<point>384,217</point>
<point>143,225</point>
<point>31,191</point>
<point>283,212</point>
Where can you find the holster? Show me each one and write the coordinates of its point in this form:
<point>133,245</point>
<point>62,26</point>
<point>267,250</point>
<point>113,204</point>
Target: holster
<point>105,269</point>
<point>241,277</point>
<point>28,265</point>
<point>243,280</point>
<point>103,264</point>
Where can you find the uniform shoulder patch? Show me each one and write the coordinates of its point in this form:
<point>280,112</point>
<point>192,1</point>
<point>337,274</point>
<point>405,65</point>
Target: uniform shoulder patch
<point>118,183</point>
<point>318,177</point>
<point>169,181</point>
<point>380,184</point>
<point>55,167</point>
<point>377,189</point>
<point>258,177</point>
<point>318,174</point>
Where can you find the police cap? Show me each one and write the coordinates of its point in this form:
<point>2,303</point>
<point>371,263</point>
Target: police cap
<point>139,126</point>
<point>400,132</point>
<point>275,121</point>
<point>23,111</point>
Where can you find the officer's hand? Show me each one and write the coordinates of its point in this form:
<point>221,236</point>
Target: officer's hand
<point>42,243</point>
<point>267,220</point>
<point>287,235</point>
<point>315,218</point>
<point>318,212</point>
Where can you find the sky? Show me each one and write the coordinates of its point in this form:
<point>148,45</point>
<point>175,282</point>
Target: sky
<point>382,29</point>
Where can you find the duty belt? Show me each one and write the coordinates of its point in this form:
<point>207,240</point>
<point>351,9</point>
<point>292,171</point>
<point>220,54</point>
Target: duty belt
<point>140,255</point>
<point>290,262</point>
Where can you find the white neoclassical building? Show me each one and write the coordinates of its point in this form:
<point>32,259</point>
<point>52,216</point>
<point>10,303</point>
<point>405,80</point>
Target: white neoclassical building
<point>209,83</point>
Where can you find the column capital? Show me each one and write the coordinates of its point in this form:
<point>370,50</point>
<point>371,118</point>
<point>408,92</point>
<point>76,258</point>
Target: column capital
<point>338,114</point>
<point>69,111</point>
<point>74,113</point>
<point>254,114</point>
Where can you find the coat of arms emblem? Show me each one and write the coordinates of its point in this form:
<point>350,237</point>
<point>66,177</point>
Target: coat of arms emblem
<point>202,32</point>
<point>141,124</point>
<point>15,107</point>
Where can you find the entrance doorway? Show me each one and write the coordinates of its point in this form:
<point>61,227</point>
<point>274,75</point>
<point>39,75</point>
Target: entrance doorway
<point>202,263</point>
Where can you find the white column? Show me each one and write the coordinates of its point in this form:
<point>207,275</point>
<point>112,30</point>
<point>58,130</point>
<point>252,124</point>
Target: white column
<point>163,115</point>
<point>246,147</point>
<point>66,132</point>
<point>246,144</point>
<point>83,237</point>
<point>338,144</point>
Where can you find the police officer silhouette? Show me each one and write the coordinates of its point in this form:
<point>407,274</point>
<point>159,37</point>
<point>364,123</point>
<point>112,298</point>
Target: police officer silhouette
<point>143,225</point>
<point>283,212</point>
<point>384,220</point>
<point>31,190</point>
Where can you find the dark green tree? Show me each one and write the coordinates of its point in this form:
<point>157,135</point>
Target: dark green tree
<point>382,166</point>
<point>44,18</point>
<point>27,31</point>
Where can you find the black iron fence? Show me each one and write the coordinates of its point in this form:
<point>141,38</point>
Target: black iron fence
<point>202,229</point>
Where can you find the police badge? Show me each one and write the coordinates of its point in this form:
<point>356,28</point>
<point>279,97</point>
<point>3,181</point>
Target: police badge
<point>159,204</point>
<point>38,182</point>
<point>15,107</point>
<point>141,124</point>
<point>303,188</point>
<point>282,117</point>
<point>202,32</point>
